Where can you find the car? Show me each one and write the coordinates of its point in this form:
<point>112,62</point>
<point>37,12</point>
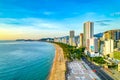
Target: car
<point>94,70</point>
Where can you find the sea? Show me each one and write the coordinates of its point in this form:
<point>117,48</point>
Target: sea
<point>24,60</point>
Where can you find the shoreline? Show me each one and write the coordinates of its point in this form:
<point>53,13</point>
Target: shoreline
<point>58,68</point>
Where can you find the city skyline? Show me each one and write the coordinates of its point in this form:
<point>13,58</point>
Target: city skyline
<point>37,19</point>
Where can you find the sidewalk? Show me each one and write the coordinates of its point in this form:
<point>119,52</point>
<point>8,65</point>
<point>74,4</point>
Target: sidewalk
<point>115,74</point>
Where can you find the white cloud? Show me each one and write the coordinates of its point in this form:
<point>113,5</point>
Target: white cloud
<point>115,14</point>
<point>48,13</point>
<point>36,23</point>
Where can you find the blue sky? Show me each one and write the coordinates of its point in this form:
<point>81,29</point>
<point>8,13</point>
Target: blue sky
<point>52,18</point>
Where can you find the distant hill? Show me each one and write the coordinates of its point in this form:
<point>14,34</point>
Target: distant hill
<point>99,35</point>
<point>20,40</point>
<point>24,40</point>
<point>46,39</point>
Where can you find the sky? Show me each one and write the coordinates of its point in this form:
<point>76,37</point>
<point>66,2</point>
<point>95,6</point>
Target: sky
<point>35,19</point>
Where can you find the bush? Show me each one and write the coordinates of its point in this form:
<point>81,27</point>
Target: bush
<point>98,60</point>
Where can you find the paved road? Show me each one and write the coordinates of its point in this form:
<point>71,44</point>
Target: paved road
<point>99,71</point>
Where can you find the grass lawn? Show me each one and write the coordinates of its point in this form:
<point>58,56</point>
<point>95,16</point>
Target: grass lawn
<point>117,55</point>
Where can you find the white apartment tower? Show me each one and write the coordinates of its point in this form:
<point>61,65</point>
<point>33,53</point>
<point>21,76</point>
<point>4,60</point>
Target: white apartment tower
<point>88,32</point>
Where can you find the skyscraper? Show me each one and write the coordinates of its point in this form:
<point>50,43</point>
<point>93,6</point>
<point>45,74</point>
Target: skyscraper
<point>81,40</point>
<point>71,39</point>
<point>88,32</point>
<point>72,34</point>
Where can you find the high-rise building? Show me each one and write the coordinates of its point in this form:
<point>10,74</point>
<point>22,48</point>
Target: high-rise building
<point>88,32</point>
<point>108,47</point>
<point>93,47</point>
<point>72,34</point>
<point>96,45</point>
<point>81,40</point>
<point>64,40</point>
<point>77,41</point>
<point>112,34</point>
<point>71,38</point>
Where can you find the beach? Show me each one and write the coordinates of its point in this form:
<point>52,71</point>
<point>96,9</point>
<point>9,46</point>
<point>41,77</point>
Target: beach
<point>58,68</point>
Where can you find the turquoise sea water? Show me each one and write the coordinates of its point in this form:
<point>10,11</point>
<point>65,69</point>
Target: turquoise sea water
<point>25,60</point>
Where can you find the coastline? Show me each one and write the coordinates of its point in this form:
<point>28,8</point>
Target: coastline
<point>58,68</point>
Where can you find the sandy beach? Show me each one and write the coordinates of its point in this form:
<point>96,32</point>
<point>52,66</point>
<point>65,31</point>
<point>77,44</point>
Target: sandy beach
<point>58,67</point>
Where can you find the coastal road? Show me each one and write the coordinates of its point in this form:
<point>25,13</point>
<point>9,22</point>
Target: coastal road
<point>98,70</point>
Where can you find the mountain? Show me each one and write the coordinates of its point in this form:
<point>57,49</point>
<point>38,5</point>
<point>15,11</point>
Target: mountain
<point>46,39</point>
<point>99,35</point>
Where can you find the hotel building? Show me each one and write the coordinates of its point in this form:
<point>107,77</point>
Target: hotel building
<point>88,32</point>
<point>90,42</point>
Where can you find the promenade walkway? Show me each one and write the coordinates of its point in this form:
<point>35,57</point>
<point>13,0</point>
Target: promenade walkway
<point>79,70</point>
